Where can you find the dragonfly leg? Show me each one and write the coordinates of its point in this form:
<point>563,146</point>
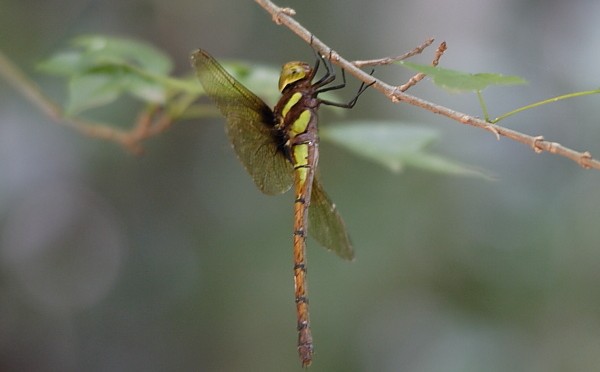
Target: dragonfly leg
<point>353,101</point>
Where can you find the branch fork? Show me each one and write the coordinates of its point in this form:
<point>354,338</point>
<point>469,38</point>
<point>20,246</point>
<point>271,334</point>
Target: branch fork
<point>396,93</point>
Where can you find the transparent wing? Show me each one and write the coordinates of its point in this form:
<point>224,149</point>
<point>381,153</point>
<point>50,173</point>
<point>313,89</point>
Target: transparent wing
<point>250,125</point>
<point>326,225</point>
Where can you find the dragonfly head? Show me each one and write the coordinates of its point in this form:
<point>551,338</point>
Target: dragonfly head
<point>292,72</point>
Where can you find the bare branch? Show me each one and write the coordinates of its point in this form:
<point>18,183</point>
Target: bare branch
<point>420,76</point>
<point>147,125</point>
<point>537,143</point>
<point>389,60</point>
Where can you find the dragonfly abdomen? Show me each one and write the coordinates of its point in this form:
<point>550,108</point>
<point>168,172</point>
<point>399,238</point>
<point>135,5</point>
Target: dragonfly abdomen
<point>296,114</point>
<point>303,158</point>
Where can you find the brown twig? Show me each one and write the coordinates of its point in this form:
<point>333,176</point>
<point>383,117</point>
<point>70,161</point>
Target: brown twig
<point>147,125</point>
<point>390,60</point>
<point>537,143</point>
<point>418,77</point>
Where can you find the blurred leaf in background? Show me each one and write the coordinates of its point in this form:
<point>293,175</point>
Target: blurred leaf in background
<point>102,68</point>
<point>395,146</point>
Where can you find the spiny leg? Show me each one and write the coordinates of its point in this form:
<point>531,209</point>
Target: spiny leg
<point>330,76</point>
<point>329,72</point>
<point>353,101</point>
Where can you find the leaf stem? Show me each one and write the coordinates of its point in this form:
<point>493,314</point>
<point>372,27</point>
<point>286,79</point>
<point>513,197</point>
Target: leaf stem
<point>30,90</point>
<point>544,102</point>
<point>486,115</point>
<point>15,77</point>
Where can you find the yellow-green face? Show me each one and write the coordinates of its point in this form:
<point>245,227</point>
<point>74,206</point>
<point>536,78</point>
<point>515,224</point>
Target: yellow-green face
<point>291,72</point>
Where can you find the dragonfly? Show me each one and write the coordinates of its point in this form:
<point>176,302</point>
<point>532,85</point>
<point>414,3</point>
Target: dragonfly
<point>279,148</point>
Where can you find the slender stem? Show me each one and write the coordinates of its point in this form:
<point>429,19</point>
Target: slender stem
<point>15,77</point>
<point>283,16</point>
<point>29,89</point>
<point>11,73</point>
<point>546,101</point>
<point>484,109</point>
<point>390,60</point>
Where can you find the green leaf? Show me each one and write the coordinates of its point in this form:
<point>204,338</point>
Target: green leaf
<point>92,90</point>
<point>63,64</point>
<point>103,86</point>
<point>394,146</point>
<point>463,81</point>
<point>260,79</point>
<point>438,164</point>
<point>100,69</point>
<point>147,90</point>
<point>107,50</point>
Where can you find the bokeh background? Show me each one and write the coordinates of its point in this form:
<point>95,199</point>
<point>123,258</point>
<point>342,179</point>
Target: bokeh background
<point>174,261</point>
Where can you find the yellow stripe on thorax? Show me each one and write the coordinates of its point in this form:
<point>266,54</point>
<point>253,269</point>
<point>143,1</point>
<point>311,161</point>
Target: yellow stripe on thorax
<point>300,124</point>
<point>290,103</point>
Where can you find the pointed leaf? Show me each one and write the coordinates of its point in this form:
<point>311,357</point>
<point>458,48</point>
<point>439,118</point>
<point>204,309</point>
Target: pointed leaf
<point>108,50</point>
<point>145,89</point>
<point>438,164</point>
<point>463,81</point>
<point>63,64</point>
<point>261,79</point>
<point>92,90</point>
<point>102,68</point>
<point>394,146</point>
<point>385,143</point>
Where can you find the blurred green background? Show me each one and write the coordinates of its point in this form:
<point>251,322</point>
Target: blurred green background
<point>174,261</point>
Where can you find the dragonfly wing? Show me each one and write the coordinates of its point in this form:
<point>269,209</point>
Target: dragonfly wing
<point>271,171</point>
<point>326,225</point>
<point>250,125</point>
